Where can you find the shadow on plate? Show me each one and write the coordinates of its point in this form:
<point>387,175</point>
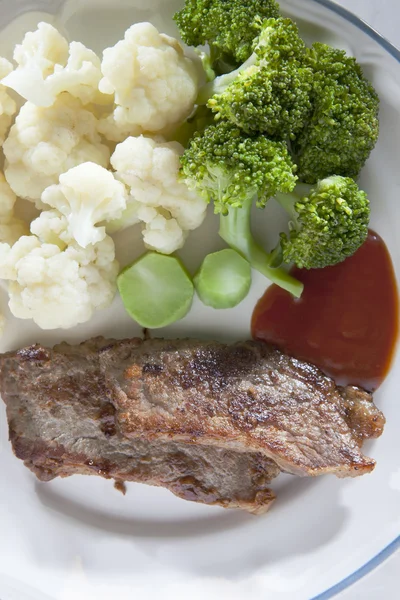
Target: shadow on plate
<point>229,544</point>
<point>142,528</point>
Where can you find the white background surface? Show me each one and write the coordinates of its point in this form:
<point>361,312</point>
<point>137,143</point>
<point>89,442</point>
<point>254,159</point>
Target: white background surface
<point>384,16</point>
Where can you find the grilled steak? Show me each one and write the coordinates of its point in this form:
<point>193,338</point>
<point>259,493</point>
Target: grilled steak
<point>211,422</point>
<point>61,422</point>
<point>244,396</point>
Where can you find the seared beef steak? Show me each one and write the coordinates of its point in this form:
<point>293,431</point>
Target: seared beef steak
<point>245,396</point>
<point>62,423</point>
<point>212,423</point>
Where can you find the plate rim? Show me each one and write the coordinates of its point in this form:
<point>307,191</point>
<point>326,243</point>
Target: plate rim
<point>390,549</point>
<point>393,546</point>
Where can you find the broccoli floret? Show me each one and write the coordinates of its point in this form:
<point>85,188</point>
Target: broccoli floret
<point>227,26</point>
<point>226,167</point>
<point>270,92</point>
<point>344,126</point>
<point>327,225</point>
<point>196,123</point>
<point>232,170</point>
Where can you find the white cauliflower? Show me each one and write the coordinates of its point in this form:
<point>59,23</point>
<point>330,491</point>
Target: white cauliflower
<point>11,228</point>
<point>165,205</point>
<point>58,288</point>
<point>48,66</point>
<point>45,142</point>
<point>51,227</point>
<point>10,254</point>
<point>155,85</point>
<point>8,107</point>
<point>87,195</point>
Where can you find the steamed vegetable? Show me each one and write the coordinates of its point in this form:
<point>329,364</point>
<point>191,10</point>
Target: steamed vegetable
<point>164,206</point>
<point>154,83</point>
<point>235,230</point>
<point>278,112</point>
<point>227,26</point>
<point>58,285</point>
<point>8,106</point>
<point>156,290</point>
<point>227,167</point>
<point>48,66</point>
<point>11,227</point>
<point>232,170</point>
<point>270,92</point>
<point>87,195</point>
<point>223,280</point>
<point>344,127</point>
<point>196,123</point>
<point>45,142</point>
<point>327,224</point>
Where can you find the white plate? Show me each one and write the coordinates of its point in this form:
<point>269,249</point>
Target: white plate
<point>78,538</point>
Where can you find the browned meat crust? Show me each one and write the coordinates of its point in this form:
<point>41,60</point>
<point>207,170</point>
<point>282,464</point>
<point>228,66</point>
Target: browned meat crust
<point>210,422</point>
<point>244,396</point>
<point>61,423</point>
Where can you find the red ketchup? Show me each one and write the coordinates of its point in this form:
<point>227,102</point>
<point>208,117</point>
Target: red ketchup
<point>346,321</point>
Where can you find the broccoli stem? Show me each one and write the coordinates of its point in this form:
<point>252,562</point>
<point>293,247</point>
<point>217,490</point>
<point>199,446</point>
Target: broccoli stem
<point>288,201</point>
<point>235,230</point>
<point>206,61</point>
<point>219,85</point>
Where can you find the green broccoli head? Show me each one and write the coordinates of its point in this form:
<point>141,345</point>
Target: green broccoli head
<point>344,126</point>
<point>269,93</point>
<point>227,26</point>
<point>328,225</point>
<point>227,167</point>
<point>196,123</point>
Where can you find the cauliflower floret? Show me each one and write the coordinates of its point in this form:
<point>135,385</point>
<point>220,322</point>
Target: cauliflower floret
<point>158,199</point>
<point>45,142</point>
<point>48,66</point>
<point>11,228</point>
<point>10,255</point>
<point>87,195</point>
<point>161,232</point>
<point>58,288</point>
<point>51,227</point>
<point>8,107</point>
<point>155,85</point>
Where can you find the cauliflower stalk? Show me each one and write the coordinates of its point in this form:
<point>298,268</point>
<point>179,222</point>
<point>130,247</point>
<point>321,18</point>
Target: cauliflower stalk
<point>48,66</point>
<point>155,85</point>
<point>8,107</point>
<point>45,142</point>
<point>87,195</point>
<point>165,206</point>
<point>58,285</point>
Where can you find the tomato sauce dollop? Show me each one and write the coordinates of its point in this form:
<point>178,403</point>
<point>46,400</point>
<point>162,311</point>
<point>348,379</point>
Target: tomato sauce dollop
<point>346,321</point>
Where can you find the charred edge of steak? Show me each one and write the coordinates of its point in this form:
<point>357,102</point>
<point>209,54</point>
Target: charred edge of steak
<point>361,414</point>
